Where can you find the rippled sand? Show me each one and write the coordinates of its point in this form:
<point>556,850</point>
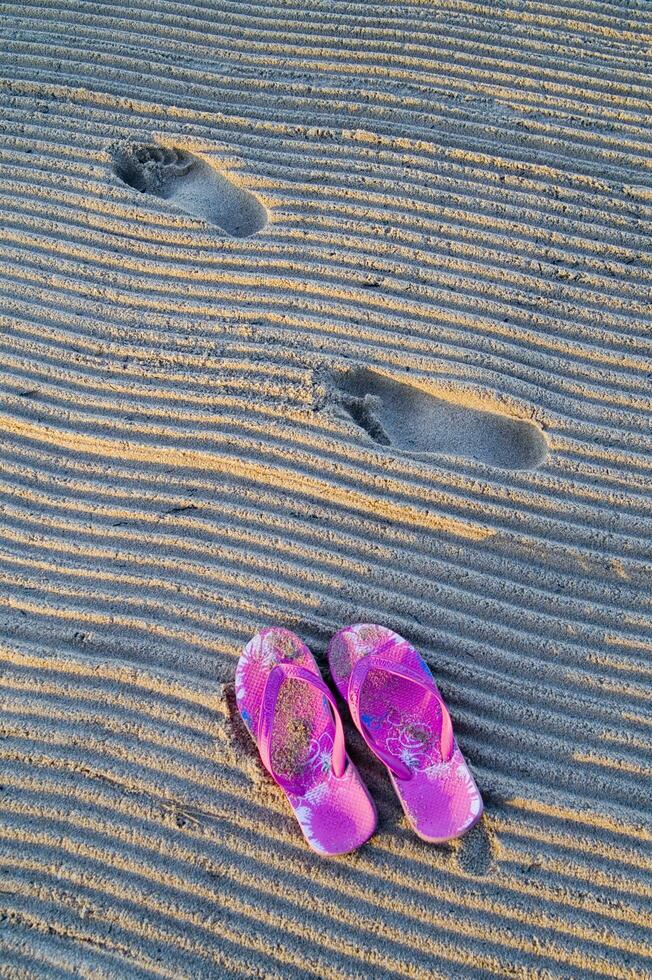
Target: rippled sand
<point>316,313</point>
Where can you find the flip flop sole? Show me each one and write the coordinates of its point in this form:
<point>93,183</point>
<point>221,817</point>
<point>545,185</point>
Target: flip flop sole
<point>336,814</point>
<point>441,799</point>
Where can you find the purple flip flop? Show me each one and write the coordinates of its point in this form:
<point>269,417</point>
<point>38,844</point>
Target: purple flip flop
<point>293,718</point>
<point>401,715</point>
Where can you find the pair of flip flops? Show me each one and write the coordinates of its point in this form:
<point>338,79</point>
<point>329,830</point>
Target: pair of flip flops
<point>396,706</point>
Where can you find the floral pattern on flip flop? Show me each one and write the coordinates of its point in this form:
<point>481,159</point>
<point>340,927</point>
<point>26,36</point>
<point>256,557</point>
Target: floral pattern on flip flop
<point>413,742</point>
<point>320,759</point>
<point>261,654</point>
<point>475,800</point>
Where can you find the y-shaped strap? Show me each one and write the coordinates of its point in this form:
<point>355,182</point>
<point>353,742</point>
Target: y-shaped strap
<point>277,676</point>
<point>356,681</point>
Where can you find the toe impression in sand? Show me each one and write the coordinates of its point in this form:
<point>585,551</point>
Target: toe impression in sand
<point>407,418</point>
<point>192,185</point>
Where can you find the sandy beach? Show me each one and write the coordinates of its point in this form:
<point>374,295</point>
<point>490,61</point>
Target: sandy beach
<point>316,313</point>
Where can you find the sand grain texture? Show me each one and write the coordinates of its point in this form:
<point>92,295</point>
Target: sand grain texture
<point>377,349</point>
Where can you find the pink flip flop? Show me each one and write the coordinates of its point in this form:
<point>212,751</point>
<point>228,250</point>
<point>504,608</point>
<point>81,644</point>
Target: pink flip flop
<point>401,715</point>
<point>293,718</point>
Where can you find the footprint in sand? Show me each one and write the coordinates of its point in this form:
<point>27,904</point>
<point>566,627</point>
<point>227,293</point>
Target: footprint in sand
<point>475,851</point>
<point>191,184</point>
<point>409,419</point>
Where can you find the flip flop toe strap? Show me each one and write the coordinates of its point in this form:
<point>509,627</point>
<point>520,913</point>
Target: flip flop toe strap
<point>277,677</point>
<point>356,683</point>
